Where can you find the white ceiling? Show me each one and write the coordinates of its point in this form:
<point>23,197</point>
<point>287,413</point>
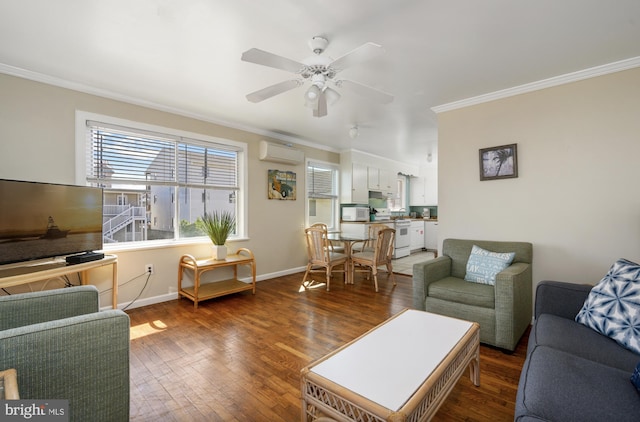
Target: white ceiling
<point>184,56</point>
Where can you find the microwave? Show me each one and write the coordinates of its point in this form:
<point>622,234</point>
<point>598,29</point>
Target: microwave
<point>355,214</point>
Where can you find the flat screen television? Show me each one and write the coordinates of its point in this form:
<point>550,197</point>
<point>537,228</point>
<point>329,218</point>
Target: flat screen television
<point>43,220</point>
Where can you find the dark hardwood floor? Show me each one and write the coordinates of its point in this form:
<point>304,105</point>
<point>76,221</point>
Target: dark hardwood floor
<point>238,358</point>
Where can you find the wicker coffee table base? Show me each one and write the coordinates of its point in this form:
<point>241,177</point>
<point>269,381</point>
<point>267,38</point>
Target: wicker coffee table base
<point>322,398</point>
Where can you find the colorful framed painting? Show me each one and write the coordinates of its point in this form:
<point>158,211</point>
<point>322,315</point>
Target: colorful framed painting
<point>499,162</point>
<point>281,185</point>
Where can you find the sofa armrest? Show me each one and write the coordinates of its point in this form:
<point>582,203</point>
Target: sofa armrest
<point>48,305</point>
<point>83,359</point>
<point>560,298</point>
<point>425,273</point>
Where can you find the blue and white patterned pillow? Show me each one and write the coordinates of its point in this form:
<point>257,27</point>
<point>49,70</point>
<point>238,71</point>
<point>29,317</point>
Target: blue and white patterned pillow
<point>613,305</point>
<point>483,265</point>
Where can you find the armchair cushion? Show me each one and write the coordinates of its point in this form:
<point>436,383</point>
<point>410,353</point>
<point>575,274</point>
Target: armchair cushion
<point>484,265</point>
<point>613,305</point>
<point>456,290</point>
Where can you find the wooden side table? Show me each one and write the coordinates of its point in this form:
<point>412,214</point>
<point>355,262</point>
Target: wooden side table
<point>9,385</point>
<point>199,292</point>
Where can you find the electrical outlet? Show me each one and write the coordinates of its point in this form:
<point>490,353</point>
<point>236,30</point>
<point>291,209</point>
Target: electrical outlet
<point>148,268</point>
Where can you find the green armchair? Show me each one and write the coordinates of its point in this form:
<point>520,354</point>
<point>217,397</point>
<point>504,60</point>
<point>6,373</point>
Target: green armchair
<point>504,311</point>
<point>64,348</point>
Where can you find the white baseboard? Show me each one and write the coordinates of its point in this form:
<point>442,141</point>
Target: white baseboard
<point>174,295</point>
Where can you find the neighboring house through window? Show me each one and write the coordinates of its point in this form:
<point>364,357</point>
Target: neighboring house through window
<point>158,182</point>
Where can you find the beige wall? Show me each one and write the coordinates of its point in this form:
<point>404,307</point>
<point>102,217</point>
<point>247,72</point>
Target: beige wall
<point>37,143</point>
<point>577,197</point>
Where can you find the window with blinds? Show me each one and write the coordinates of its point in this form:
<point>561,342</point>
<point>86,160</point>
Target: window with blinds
<point>157,186</point>
<point>322,194</point>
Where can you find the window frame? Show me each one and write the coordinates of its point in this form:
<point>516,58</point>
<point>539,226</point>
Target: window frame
<point>335,224</point>
<point>81,173</point>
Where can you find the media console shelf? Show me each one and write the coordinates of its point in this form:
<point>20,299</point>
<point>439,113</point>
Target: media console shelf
<point>30,272</point>
<point>199,292</point>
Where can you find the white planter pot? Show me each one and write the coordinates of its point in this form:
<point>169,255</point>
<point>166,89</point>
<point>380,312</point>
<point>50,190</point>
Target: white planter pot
<point>219,252</point>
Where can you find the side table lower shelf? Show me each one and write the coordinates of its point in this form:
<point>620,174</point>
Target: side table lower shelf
<point>199,292</point>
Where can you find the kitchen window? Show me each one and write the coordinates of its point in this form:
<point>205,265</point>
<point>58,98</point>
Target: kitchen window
<point>399,201</point>
<point>322,194</point>
<point>158,182</point>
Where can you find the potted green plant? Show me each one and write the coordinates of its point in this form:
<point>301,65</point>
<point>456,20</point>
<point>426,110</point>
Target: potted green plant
<point>218,226</point>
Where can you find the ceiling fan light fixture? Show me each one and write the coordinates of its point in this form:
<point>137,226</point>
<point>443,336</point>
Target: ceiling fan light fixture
<point>312,93</point>
<point>332,95</point>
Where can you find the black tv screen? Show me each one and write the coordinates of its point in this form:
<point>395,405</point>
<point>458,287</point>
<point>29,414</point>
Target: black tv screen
<point>42,220</point>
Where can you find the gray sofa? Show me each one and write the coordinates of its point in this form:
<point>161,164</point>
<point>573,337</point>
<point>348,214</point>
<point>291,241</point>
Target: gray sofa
<point>573,373</point>
<point>64,348</point>
<point>503,311</point>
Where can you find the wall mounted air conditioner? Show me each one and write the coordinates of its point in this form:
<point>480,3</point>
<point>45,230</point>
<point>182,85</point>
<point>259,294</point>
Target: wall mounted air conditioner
<point>280,153</point>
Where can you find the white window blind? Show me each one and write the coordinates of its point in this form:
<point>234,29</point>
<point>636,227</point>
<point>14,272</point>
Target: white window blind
<point>130,156</point>
<point>321,181</point>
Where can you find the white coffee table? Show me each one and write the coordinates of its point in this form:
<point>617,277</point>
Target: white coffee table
<point>401,370</point>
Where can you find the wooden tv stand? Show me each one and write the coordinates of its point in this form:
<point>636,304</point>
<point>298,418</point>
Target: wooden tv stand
<point>26,273</point>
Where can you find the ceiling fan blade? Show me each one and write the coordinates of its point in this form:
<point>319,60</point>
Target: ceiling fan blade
<point>366,91</point>
<point>265,58</point>
<point>321,107</point>
<point>273,90</point>
<point>363,53</point>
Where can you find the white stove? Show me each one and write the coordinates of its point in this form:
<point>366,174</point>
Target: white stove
<point>403,238</point>
<point>403,232</point>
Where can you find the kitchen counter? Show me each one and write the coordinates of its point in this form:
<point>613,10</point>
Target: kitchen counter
<point>388,220</point>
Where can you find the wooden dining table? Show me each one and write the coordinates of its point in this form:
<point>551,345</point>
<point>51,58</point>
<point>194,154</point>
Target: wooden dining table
<point>348,241</point>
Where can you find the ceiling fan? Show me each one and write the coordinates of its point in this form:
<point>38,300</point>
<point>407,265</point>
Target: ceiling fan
<point>321,71</point>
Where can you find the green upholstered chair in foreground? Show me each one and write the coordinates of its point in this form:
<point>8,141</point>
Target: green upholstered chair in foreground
<point>503,310</point>
<point>63,347</point>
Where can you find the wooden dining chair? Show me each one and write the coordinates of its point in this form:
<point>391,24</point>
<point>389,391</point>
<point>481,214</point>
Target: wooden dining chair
<point>334,247</point>
<point>381,255</point>
<point>369,244</point>
<point>321,257</point>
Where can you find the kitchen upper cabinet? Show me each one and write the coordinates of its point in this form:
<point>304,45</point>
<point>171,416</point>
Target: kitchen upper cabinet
<point>416,191</point>
<point>354,186</point>
<point>424,189</point>
<point>373,178</point>
<point>381,180</point>
<point>389,179</point>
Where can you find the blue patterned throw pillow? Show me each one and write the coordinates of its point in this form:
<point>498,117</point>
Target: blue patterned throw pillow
<point>483,265</point>
<point>635,378</point>
<point>613,305</point>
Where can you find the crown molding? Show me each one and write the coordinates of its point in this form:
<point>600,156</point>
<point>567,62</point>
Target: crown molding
<point>545,83</point>
<point>63,83</point>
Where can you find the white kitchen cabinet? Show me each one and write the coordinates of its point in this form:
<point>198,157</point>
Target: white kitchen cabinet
<point>354,184</point>
<point>423,190</point>
<point>416,191</point>
<point>354,229</point>
<point>373,178</point>
<point>417,235</point>
<point>381,180</point>
<point>431,235</point>
<point>389,182</point>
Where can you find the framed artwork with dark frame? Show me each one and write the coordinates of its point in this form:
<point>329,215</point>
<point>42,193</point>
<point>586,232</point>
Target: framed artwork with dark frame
<point>499,162</point>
